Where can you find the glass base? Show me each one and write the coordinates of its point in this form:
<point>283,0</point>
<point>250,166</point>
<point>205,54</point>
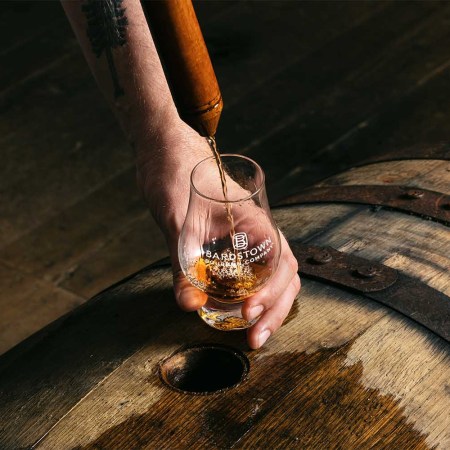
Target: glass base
<point>224,316</point>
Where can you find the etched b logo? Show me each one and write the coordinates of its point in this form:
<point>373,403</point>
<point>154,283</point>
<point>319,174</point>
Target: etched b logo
<point>240,241</point>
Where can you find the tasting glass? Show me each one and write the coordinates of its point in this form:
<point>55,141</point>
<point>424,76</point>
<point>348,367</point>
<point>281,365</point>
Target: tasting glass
<point>228,248</point>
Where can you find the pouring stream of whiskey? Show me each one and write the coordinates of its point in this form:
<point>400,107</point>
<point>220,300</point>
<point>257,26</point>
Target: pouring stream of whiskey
<point>213,145</point>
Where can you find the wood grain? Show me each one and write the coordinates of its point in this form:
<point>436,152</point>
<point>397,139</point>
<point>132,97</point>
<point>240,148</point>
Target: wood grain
<point>420,382</point>
<point>248,56</point>
<point>140,244</point>
<point>26,296</point>
<point>342,372</point>
<point>320,139</point>
<point>64,154</point>
<point>312,335</point>
<point>53,248</point>
<point>349,68</point>
<point>432,174</point>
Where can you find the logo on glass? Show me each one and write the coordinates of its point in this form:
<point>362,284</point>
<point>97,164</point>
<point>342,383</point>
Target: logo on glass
<point>240,241</point>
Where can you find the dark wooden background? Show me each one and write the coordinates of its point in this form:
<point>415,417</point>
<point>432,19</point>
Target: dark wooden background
<point>310,88</point>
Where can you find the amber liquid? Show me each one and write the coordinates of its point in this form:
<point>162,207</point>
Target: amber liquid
<point>228,283</point>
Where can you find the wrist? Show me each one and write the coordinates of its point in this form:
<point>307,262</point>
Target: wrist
<point>164,161</point>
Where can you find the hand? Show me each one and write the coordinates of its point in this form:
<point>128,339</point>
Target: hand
<point>274,301</point>
<point>165,184</point>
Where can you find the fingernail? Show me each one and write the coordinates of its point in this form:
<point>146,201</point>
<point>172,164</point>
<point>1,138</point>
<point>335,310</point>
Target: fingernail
<point>255,312</point>
<point>263,336</point>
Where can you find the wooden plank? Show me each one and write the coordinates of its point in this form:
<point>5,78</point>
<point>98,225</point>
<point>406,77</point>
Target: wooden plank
<point>320,118</point>
<point>314,414</point>
<point>433,175</point>
<point>138,245</point>
<point>247,54</point>
<point>326,74</point>
<point>322,399</point>
<point>22,297</point>
<point>389,351</point>
<point>54,249</point>
<point>100,343</point>
<point>418,116</point>
<point>401,245</point>
<point>75,160</point>
<point>404,244</point>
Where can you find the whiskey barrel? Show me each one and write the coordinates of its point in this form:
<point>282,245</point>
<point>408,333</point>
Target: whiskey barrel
<point>363,360</point>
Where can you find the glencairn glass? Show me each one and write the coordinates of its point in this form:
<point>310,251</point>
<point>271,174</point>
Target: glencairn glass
<point>229,246</point>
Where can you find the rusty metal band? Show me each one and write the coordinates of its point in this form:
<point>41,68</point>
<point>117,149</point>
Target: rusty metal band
<point>420,202</point>
<point>409,296</point>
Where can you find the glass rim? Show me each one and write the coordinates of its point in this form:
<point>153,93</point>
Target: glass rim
<point>248,197</point>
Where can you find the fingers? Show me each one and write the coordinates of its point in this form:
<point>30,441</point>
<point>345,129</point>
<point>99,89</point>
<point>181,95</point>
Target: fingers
<point>274,301</point>
<point>270,294</point>
<point>188,297</point>
<point>273,318</point>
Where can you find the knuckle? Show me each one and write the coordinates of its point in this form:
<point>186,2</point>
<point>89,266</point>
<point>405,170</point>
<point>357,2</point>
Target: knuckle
<point>293,264</point>
<point>272,293</point>
<point>297,283</point>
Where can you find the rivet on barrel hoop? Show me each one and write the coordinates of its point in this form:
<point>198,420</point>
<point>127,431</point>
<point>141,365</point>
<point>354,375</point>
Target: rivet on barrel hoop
<point>367,271</point>
<point>413,194</point>
<point>321,257</point>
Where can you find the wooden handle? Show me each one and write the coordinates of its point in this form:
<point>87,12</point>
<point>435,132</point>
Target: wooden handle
<point>186,62</point>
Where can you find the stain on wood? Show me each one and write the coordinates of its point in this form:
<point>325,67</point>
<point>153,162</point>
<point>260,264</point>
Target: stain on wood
<point>290,400</point>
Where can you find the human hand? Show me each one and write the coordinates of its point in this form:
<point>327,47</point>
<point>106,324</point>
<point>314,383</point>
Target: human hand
<point>166,187</point>
<point>274,301</point>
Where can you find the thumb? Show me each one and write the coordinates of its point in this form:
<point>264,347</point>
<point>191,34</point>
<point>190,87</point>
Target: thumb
<point>188,297</point>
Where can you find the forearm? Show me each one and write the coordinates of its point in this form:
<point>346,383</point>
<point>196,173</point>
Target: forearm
<point>138,72</point>
<point>132,80</point>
